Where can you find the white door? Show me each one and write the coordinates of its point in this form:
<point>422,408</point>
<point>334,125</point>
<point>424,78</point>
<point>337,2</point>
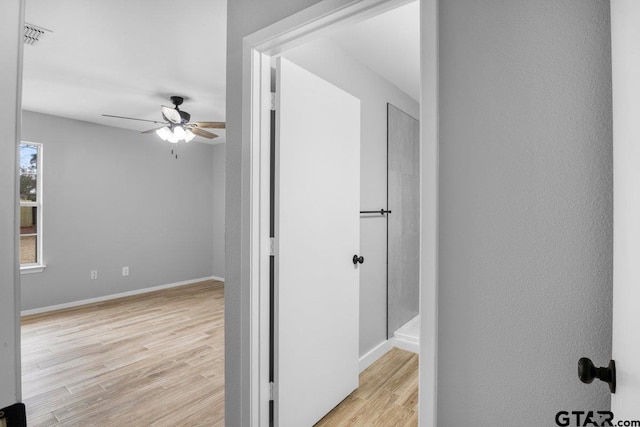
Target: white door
<point>317,232</point>
<point>625,33</point>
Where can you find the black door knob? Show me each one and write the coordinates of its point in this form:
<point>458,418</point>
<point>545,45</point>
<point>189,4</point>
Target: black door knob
<point>358,259</point>
<point>587,372</point>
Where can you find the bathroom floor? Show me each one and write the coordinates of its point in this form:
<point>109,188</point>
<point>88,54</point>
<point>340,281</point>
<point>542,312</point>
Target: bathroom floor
<point>388,394</point>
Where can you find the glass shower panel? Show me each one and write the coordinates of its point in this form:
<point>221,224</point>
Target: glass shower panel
<point>404,221</point>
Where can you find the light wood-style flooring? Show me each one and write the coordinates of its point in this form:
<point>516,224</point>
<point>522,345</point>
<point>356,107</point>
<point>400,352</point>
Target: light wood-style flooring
<point>158,360</point>
<point>155,359</point>
<point>387,395</point>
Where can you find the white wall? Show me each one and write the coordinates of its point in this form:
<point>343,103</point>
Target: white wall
<point>330,62</point>
<point>625,33</point>
<point>11,34</point>
<point>218,209</point>
<point>525,214</point>
<point>113,198</point>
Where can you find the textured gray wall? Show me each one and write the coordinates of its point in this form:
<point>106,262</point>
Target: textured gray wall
<point>404,220</point>
<point>218,209</point>
<point>11,34</point>
<point>333,64</point>
<point>525,255</point>
<point>113,198</point>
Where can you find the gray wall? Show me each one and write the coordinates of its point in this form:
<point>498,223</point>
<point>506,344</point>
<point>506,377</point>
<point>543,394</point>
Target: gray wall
<point>218,209</point>
<point>333,64</point>
<point>113,198</point>
<point>525,252</point>
<point>11,34</point>
<point>525,216</point>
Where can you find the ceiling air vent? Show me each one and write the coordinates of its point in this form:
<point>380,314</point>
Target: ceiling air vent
<point>33,33</point>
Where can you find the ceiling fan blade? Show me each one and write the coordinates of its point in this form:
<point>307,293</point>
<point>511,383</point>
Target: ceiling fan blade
<point>215,125</point>
<point>171,114</point>
<point>203,133</point>
<point>153,130</point>
<point>131,118</point>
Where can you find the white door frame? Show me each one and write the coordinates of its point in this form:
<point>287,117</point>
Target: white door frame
<point>257,52</point>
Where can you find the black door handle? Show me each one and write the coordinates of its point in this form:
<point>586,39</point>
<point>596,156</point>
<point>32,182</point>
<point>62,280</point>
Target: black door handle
<point>358,259</point>
<point>587,372</point>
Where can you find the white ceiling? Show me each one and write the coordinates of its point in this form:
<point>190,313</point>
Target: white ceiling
<point>389,44</point>
<point>126,58</point>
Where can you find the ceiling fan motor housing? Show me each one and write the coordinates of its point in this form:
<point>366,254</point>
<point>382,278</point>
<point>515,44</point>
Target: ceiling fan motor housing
<point>177,101</point>
<point>185,116</point>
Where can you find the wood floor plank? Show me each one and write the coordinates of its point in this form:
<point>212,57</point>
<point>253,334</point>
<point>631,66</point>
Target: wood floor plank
<point>139,360</point>
<point>158,360</point>
<point>387,395</point>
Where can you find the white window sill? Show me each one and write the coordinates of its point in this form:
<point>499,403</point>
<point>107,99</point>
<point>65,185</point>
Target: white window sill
<point>28,269</point>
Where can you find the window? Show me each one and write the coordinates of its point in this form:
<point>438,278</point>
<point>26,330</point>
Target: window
<point>31,207</point>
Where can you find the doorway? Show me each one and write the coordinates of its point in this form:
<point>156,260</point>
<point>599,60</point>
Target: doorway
<point>262,62</point>
<point>125,213</point>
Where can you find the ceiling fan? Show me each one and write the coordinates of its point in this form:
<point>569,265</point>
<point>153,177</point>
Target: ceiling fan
<point>177,125</point>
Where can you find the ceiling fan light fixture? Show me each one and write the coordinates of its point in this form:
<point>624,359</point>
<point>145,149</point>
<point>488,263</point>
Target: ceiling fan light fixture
<point>189,135</point>
<point>179,133</point>
<point>167,135</point>
<point>164,133</point>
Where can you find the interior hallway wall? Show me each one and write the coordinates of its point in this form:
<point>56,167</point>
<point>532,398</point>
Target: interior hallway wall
<point>218,209</point>
<point>525,214</point>
<point>11,36</point>
<point>330,62</point>
<point>113,198</point>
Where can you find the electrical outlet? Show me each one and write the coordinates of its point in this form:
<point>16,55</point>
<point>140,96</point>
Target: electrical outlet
<point>94,274</point>
<point>125,271</point>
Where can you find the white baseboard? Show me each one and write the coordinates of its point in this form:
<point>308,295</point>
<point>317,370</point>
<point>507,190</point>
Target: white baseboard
<point>381,349</point>
<point>115,296</point>
<point>408,345</point>
<point>406,337</point>
<point>375,353</point>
